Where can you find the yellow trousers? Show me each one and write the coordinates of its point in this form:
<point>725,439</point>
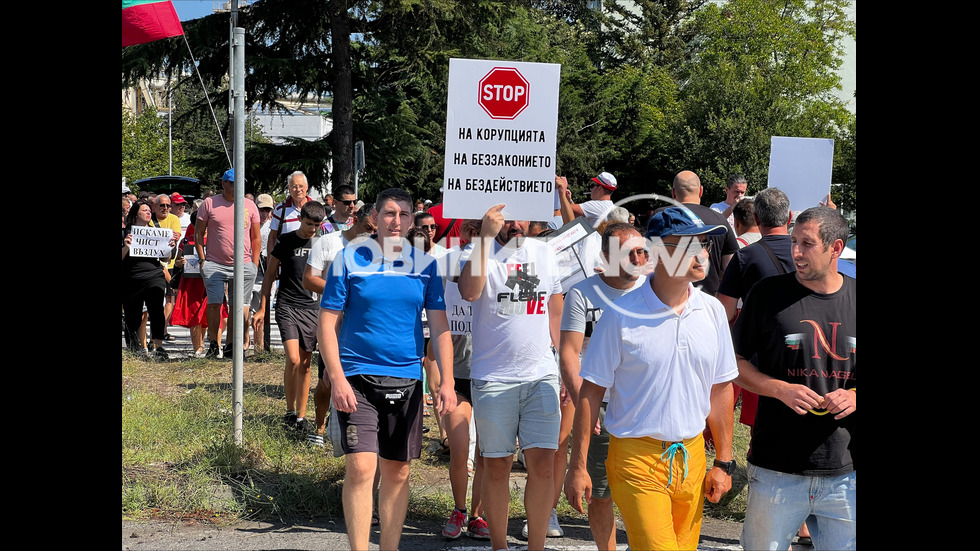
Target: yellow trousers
<point>657,514</point>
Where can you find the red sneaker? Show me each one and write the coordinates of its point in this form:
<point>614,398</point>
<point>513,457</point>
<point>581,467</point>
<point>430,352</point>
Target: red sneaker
<point>478,529</point>
<point>454,528</point>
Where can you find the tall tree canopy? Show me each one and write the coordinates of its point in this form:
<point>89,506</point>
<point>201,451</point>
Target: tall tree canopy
<point>663,86</point>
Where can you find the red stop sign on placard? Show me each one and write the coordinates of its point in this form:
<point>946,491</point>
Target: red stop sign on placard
<point>504,93</point>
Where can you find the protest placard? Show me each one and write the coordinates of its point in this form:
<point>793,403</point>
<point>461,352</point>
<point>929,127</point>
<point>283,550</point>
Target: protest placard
<point>801,168</point>
<point>150,242</point>
<point>501,130</point>
<point>573,250</point>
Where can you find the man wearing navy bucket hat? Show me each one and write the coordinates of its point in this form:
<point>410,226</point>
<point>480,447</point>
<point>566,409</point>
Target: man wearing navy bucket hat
<point>665,354</point>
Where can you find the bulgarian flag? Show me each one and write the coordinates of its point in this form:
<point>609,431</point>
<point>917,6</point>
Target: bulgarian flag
<point>148,20</point>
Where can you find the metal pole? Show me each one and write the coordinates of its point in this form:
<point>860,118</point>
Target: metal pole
<point>170,130</point>
<point>238,327</point>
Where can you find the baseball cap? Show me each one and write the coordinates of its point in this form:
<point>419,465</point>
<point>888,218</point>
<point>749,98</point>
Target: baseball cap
<point>177,198</point>
<point>126,189</point>
<point>229,175</point>
<point>606,180</point>
<point>264,201</point>
<point>680,221</point>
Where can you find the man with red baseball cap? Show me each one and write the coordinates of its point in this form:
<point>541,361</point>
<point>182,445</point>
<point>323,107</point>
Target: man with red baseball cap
<point>599,205</point>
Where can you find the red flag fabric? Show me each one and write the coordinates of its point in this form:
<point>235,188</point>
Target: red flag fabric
<point>148,20</point>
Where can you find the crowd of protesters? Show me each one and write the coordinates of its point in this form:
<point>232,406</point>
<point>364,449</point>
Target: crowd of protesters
<point>635,370</point>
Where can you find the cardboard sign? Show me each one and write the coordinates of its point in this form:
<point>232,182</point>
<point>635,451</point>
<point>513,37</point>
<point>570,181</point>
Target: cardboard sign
<point>576,252</point>
<point>150,242</point>
<point>801,168</point>
<point>501,130</point>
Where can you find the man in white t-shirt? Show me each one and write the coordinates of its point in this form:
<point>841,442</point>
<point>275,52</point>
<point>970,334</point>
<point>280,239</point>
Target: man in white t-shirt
<point>665,353</point>
<point>515,289</point>
<point>735,189</point>
<point>596,208</point>
<point>624,253</point>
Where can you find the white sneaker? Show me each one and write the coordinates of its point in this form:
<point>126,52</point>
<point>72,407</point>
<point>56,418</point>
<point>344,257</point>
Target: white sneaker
<point>554,529</point>
<point>524,530</point>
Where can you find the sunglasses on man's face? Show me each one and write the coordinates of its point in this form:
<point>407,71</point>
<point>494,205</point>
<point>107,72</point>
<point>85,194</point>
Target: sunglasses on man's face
<point>348,203</point>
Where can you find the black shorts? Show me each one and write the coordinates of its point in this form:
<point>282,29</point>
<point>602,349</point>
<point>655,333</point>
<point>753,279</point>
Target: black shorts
<point>392,428</point>
<point>463,389</point>
<point>298,324</point>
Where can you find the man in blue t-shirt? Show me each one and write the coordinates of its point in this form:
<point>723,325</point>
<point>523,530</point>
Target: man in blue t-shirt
<point>373,362</point>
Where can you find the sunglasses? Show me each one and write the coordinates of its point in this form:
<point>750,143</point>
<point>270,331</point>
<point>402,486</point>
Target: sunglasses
<point>348,203</point>
<point>694,247</point>
<point>430,227</point>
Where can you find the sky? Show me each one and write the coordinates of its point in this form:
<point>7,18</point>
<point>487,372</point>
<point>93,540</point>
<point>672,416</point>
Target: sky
<point>192,9</point>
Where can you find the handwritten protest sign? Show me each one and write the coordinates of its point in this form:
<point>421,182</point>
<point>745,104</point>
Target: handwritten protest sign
<point>501,130</point>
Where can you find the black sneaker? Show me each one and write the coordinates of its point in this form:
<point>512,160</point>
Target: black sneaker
<point>302,426</point>
<point>227,351</point>
<point>289,420</point>
<point>213,350</point>
<point>159,354</point>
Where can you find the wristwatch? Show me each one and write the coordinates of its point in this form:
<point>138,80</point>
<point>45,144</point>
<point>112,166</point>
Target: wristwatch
<point>727,466</point>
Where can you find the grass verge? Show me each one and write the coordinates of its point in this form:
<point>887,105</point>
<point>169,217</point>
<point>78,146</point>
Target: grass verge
<point>179,459</point>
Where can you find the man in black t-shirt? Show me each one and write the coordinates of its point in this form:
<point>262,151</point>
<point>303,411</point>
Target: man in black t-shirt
<point>297,311</point>
<point>802,456</point>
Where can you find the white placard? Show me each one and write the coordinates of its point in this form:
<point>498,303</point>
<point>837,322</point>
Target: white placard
<point>501,135</point>
<point>150,242</point>
<point>802,168</point>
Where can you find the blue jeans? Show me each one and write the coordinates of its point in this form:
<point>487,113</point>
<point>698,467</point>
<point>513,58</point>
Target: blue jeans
<point>778,504</point>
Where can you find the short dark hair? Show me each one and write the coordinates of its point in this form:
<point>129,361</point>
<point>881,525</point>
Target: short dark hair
<point>314,211</point>
<point>772,207</point>
<point>396,193</point>
<point>615,228</point>
<point>833,225</point>
<point>743,212</point>
<point>420,215</point>
<point>736,179</point>
<point>343,190</point>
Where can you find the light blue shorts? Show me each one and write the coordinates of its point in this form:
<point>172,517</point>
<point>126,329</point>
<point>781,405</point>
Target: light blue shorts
<point>527,413</point>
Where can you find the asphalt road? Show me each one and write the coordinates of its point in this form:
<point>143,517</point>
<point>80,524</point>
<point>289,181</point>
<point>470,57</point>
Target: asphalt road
<point>417,536</point>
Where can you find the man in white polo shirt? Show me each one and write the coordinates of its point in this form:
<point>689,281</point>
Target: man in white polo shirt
<point>665,354</point>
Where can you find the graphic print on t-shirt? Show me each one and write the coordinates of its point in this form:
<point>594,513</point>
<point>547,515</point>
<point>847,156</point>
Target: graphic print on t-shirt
<point>524,297</point>
<point>818,349</point>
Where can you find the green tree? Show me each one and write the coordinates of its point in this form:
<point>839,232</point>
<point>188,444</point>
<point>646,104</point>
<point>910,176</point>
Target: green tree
<point>758,69</point>
<point>145,149</point>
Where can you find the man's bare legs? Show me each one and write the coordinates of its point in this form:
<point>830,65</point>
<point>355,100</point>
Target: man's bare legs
<point>392,502</point>
<point>361,472</point>
<point>321,403</point>
<point>358,497</point>
<point>561,455</point>
<point>538,493</point>
<point>602,521</point>
<point>458,429</point>
<point>496,498</point>
<point>296,377</point>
